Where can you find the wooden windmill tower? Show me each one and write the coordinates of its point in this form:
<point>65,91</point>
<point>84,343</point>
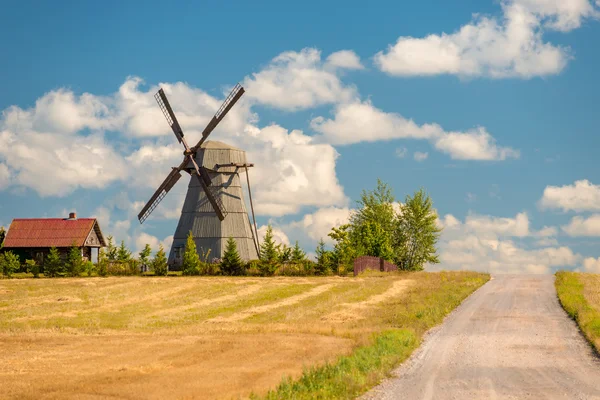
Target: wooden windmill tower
<point>214,208</point>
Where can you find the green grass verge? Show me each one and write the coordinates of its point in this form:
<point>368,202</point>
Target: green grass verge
<point>351,375</point>
<point>570,291</point>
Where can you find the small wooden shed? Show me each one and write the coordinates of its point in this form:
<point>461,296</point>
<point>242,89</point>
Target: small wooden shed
<point>32,238</point>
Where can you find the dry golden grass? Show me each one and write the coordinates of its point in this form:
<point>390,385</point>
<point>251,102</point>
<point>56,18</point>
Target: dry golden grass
<point>203,337</point>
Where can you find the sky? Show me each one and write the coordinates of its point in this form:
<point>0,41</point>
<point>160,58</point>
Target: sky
<point>491,106</point>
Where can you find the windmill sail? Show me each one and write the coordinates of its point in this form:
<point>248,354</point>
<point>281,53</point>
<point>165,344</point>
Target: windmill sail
<point>229,102</point>
<point>160,194</point>
<point>163,103</point>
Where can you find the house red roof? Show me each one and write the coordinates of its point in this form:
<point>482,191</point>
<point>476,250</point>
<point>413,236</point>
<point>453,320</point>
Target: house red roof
<point>49,232</point>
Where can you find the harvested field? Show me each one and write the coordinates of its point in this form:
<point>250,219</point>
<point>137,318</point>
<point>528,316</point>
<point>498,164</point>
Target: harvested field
<point>205,337</point>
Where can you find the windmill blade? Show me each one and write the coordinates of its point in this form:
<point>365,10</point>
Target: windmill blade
<point>160,194</point>
<point>229,102</point>
<point>211,191</point>
<point>163,103</point>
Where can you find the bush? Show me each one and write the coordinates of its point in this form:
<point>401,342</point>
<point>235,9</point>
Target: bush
<point>159,263</point>
<point>231,263</point>
<point>53,265</point>
<point>88,268</point>
<point>9,263</point>
<point>122,268</point>
<point>252,268</point>
<point>191,261</point>
<point>74,262</point>
<point>33,268</point>
<point>102,263</point>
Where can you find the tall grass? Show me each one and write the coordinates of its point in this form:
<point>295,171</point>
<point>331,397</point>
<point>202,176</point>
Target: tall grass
<point>425,306</point>
<point>571,289</point>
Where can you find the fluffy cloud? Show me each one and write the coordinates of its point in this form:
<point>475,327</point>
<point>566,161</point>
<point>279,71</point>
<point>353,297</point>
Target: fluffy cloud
<point>5,176</point>
<point>317,225</point>
<point>581,196</point>
<point>401,152</point>
<point>485,243</point>
<point>144,238</point>
<point>499,48</point>
<point>580,226</point>
<point>346,59</point>
<point>300,80</point>
<point>279,235</point>
<point>591,265</point>
<point>362,122</point>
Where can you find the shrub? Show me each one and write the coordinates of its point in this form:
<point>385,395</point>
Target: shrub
<point>159,263</point>
<point>9,263</point>
<point>122,268</point>
<point>102,263</point>
<point>253,268</point>
<point>53,265</point>
<point>231,263</point>
<point>191,261</point>
<point>267,268</point>
<point>88,267</point>
<point>33,268</point>
<point>74,261</point>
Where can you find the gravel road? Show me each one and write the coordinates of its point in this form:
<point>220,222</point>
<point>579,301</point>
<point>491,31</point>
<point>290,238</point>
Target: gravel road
<point>509,340</point>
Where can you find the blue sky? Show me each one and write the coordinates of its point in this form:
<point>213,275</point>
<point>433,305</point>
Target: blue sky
<point>491,106</point>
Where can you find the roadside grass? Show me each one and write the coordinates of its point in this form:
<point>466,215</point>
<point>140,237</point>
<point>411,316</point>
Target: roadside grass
<point>579,295</point>
<point>315,337</point>
<point>424,306</point>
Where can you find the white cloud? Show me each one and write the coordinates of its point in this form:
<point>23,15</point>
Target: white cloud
<point>401,152</point>
<point>346,59</point>
<point>144,238</point>
<point>487,46</point>
<point>581,196</point>
<point>420,156</point>
<point>299,80</point>
<point>317,225</point>
<point>580,226</point>
<point>279,235</point>
<point>484,243</point>
<point>591,265</point>
<point>56,164</point>
<point>5,176</point>
<point>362,122</point>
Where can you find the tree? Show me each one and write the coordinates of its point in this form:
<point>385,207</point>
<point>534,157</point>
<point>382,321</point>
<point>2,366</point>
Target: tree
<point>231,264</point>
<point>344,252</point>
<point>102,263</point>
<point>9,263</point>
<point>123,253</point>
<point>159,263</point>
<point>268,249</point>
<point>323,266</point>
<point>416,232</point>
<point>144,256</point>
<point>285,253</point>
<point>74,261</point>
<point>191,260</point>
<point>374,241</point>
<point>33,268</point>
<point>2,236</point>
<point>375,206</point>
<point>111,251</point>
<point>53,265</point>
<point>298,255</point>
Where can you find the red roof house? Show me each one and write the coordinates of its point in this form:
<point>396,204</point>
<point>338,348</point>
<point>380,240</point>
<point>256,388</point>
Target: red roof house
<point>33,237</point>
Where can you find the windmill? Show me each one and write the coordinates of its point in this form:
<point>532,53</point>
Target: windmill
<point>214,208</point>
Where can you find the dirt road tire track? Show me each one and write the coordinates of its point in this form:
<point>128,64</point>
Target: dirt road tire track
<point>509,340</point>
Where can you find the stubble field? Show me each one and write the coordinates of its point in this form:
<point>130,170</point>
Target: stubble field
<point>205,337</point>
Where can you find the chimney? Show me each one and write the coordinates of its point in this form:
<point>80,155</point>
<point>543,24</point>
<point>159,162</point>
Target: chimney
<point>72,215</point>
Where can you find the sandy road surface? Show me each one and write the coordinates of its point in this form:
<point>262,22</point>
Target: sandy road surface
<point>509,340</point>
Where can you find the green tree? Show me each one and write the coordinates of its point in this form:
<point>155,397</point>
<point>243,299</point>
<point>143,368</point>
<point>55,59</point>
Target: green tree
<point>88,267</point>
<point>298,255</point>
<point>374,241</point>
<point>9,263</point>
<point>344,252</point>
<point>416,233</point>
<point>112,250</point>
<point>123,253</point>
<point>231,264</point>
<point>191,260</point>
<point>323,265</point>
<point>268,249</point>
<point>2,236</point>
<point>159,263</point>
<point>375,206</point>
<point>74,261</point>
<point>53,265</point>
<point>33,268</point>
<point>102,263</point>
<point>144,256</point>
<point>284,253</point>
